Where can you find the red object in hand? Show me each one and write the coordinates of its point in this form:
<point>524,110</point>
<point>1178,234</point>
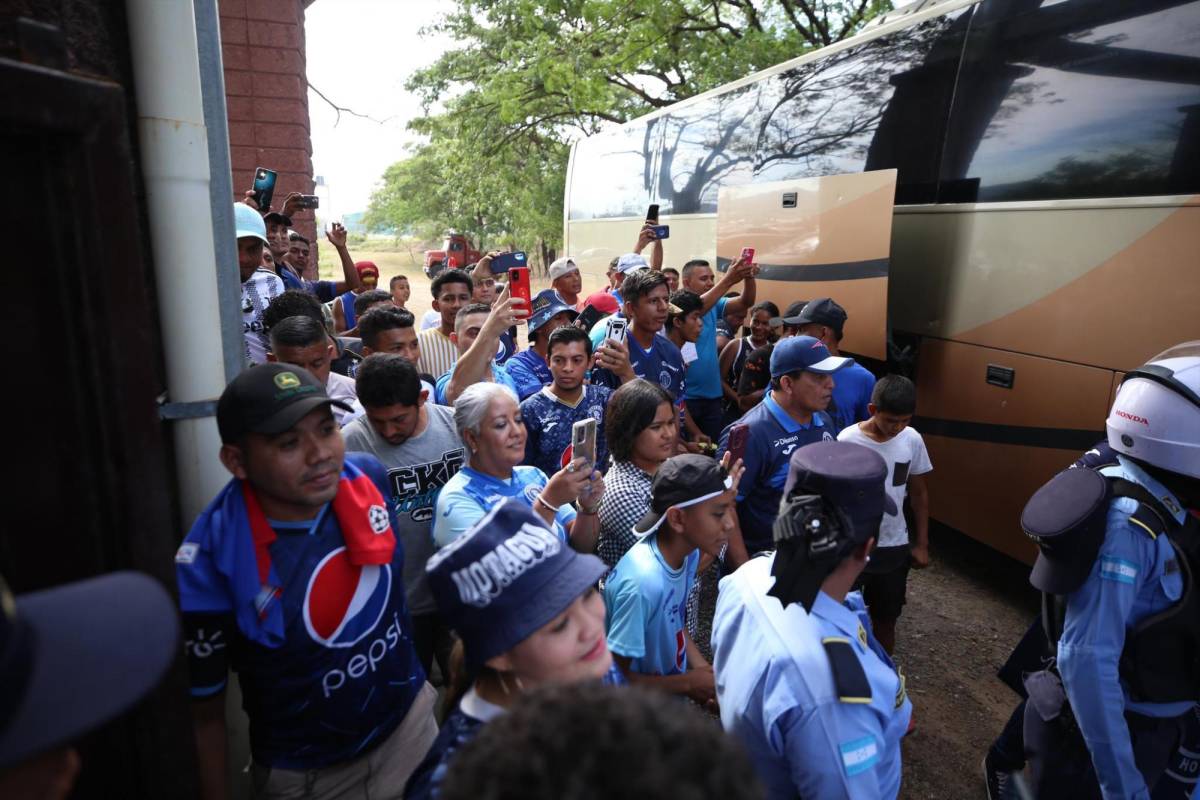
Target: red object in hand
<point>747,255</point>
<point>518,286</point>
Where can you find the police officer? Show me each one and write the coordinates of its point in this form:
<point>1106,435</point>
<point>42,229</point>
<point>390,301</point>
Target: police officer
<point>815,699</point>
<point>1121,606</point>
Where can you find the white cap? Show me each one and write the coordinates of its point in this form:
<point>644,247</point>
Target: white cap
<point>562,266</point>
<point>248,222</point>
<point>631,261</point>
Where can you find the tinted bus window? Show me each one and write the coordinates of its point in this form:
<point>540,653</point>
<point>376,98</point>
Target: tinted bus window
<point>705,145</point>
<point>613,173</point>
<point>876,106</point>
<point>1075,100</point>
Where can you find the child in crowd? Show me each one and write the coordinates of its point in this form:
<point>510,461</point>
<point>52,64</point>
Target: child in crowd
<point>691,511</point>
<point>887,432</point>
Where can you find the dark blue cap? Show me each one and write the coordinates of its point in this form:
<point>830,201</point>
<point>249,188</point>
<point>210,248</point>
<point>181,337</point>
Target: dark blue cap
<point>506,577</point>
<point>850,476</point>
<point>75,656</point>
<point>807,353</point>
<point>546,306</point>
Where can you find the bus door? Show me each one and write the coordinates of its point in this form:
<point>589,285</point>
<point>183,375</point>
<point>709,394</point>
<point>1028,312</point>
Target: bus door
<point>818,237</point>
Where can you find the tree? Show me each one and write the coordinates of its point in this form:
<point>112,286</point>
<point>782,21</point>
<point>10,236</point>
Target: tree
<point>530,76</point>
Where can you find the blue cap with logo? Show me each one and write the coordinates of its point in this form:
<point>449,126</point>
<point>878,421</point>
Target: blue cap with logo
<point>546,306</point>
<point>806,353</point>
<point>506,577</point>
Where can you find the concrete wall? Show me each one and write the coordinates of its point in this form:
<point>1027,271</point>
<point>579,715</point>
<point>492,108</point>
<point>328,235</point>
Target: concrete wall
<point>266,92</point>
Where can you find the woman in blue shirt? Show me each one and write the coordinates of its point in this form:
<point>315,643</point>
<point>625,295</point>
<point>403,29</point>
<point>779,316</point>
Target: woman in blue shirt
<point>527,613</point>
<point>489,421</point>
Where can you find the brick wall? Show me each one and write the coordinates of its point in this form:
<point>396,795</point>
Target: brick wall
<point>266,92</point>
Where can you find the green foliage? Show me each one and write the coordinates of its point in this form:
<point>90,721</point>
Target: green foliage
<point>530,76</point>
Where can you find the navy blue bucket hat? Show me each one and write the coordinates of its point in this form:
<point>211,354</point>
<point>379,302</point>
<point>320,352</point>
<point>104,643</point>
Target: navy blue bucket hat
<point>506,577</point>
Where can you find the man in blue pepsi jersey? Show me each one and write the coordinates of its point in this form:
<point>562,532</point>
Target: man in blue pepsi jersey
<point>293,577</point>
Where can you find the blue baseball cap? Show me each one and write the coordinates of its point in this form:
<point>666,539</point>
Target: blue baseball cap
<point>506,577</point>
<point>546,306</point>
<point>806,353</point>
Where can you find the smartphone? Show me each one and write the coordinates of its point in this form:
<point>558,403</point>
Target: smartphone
<point>652,213</point>
<point>587,318</point>
<point>583,441</point>
<point>616,329</point>
<point>662,231</point>
<point>747,255</point>
<point>264,188</point>
<point>518,286</point>
<point>507,261</point>
<point>736,446</point>
<point>308,201</point>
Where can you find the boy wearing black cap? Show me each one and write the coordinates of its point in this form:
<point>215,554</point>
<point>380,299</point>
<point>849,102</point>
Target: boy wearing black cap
<point>691,512</point>
<point>826,320</point>
<point>293,576</point>
<point>802,682</point>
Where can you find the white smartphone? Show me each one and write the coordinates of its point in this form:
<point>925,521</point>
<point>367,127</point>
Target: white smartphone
<point>583,442</point>
<point>616,329</point>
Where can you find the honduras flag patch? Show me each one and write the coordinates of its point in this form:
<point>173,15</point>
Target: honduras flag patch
<point>1118,569</point>
<point>859,755</point>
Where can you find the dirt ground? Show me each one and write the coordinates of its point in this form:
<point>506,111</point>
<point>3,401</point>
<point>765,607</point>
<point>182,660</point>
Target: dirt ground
<point>964,615</point>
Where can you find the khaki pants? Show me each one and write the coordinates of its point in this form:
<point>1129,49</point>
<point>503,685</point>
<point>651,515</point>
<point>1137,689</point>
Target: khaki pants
<point>379,775</point>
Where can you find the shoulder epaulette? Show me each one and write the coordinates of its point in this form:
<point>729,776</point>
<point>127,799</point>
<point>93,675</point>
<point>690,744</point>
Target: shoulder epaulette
<point>1146,516</point>
<point>849,678</point>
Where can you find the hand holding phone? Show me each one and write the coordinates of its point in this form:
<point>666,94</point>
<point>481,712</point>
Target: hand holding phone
<point>747,255</point>
<point>587,318</point>
<point>652,213</point>
<point>739,435</point>
<point>662,231</point>
<point>507,261</point>
<point>583,442</point>
<point>518,286</point>
<point>264,188</point>
<point>616,329</point>
<point>308,201</point>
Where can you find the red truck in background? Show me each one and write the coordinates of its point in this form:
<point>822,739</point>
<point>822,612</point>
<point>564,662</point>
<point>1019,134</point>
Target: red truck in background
<point>457,252</point>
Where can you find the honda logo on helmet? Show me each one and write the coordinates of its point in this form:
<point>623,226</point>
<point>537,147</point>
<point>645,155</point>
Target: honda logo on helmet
<point>1132,417</point>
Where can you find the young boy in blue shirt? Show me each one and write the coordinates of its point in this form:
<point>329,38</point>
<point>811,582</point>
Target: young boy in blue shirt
<point>691,512</point>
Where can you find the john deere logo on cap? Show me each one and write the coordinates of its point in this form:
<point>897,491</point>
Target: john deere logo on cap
<point>287,380</point>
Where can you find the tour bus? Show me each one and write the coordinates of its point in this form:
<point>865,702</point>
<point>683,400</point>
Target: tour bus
<point>1045,235</point>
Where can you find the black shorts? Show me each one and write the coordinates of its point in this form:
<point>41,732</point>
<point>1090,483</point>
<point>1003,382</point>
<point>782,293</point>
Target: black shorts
<point>884,581</point>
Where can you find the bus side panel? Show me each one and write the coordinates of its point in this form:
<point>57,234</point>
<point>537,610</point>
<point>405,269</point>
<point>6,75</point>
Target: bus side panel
<point>596,242</point>
<point>992,446</point>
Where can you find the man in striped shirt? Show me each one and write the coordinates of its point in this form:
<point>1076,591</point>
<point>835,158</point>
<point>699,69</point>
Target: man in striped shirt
<point>451,291</point>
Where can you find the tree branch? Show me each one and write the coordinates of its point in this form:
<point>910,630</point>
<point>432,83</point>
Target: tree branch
<point>340,109</point>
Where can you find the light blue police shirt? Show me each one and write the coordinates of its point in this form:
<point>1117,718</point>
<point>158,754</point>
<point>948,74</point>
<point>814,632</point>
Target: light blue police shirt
<point>777,693</point>
<point>1128,583</point>
<point>471,494</point>
<point>646,609</point>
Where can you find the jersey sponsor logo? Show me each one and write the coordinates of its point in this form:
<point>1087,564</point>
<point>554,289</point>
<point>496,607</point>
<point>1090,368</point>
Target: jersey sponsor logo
<point>378,518</point>
<point>186,554</point>
<point>1132,417</point>
<point>415,486</point>
<point>787,440</point>
<point>204,645</point>
<point>482,581</point>
<point>345,602</point>
<point>366,662</point>
<point>1118,569</point>
<point>568,455</point>
<point>859,755</point>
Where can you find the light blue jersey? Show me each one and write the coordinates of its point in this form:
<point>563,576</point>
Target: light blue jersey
<point>470,494</point>
<point>646,602</point>
<point>1129,582</point>
<point>776,688</point>
<point>704,374</point>
<point>499,375</point>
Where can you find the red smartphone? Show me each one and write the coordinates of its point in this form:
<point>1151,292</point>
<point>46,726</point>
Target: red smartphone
<point>518,286</point>
<point>738,436</point>
<point>747,255</point>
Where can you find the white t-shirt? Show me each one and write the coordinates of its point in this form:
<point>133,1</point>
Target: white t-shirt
<point>432,319</point>
<point>339,387</point>
<point>688,351</point>
<point>905,455</point>
<point>258,291</point>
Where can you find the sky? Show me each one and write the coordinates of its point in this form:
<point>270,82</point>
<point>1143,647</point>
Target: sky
<point>360,52</point>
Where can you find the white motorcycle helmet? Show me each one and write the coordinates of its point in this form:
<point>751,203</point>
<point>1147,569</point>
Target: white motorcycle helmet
<point>1156,416</point>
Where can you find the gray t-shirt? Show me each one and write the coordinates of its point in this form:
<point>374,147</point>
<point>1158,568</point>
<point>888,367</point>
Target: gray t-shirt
<point>416,471</point>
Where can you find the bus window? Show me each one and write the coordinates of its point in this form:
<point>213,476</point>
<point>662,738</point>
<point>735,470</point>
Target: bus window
<point>613,173</point>
<point>705,145</point>
<point>828,117</point>
<point>1076,100</point>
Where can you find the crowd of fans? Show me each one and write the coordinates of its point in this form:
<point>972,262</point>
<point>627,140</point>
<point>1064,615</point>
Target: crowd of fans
<point>466,419</point>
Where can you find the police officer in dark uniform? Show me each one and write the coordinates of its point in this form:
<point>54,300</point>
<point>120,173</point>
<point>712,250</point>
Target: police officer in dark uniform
<point>801,680</point>
<point>1120,553</point>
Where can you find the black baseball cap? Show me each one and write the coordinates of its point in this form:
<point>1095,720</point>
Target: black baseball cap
<point>269,399</point>
<point>680,482</point>
<point>824,311</point>
<point>791,316</point>
<point>76,656</point>
<point>277,217</point>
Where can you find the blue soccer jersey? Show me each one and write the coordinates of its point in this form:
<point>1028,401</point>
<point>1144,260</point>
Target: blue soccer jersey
<point>471,494</point>
<point>548,422</point>
<point>661,363</point>
<point>345,673</point>
<point>646,602</point>
<point>529,372</point>
<point>852,388</point>
<point>773,435</point>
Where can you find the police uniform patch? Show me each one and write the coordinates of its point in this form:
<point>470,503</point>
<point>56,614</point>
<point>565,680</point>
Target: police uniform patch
<point>186,554</point>
<point>902,690</point>
<point>862,635</point>
<point>1118,569</point>
<point>859,755</point>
